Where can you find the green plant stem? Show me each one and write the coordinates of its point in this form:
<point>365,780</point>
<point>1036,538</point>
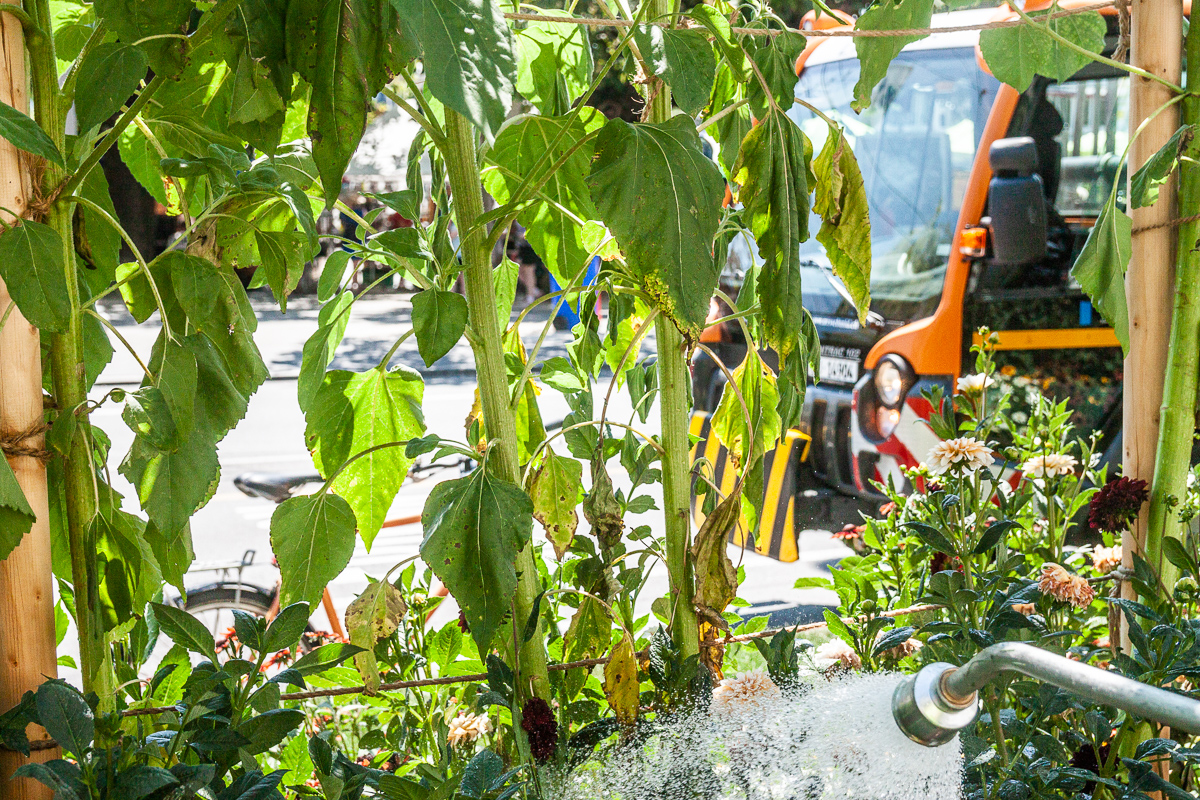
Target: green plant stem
<point>674,409</point>
<point>463,170</point>
<point>1178,413</point>
<point>67,378</point>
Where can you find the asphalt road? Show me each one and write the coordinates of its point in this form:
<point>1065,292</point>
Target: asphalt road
<point>270,439</point>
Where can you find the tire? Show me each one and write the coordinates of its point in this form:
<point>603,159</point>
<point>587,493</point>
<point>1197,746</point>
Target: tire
<point>214,604</point>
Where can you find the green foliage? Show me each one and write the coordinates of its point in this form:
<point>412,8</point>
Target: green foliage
<point>661,197</point>
<point>107,77</point>
<point>468,53</point>
<point>1100,268</point>
<point>1143,186</point>
<point>773,170</point>
<point>841,200</point>
<point>439,318</point>
<point>31,265</point>
<point>1015,55</point>
<point>682,59</point>
<point>27,135</point>
<point>312,538</point>
<point>474,528</point>
<point>875,53</point>
<point>554,65</point>
<point>16,517</point>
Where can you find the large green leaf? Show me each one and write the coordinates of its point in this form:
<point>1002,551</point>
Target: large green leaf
<point>1100,268</point>
<point>31,265</point>
<point>554,65</point>
<point>107,77</point>
<point>557,490</point>
<point>344,49</point>
<point>718,25</point>
<point>184,629</point>
<point>16,517</point>
<point>321,347</point>
<point>172,485</point>
<point>469,57</point>
<point>775,57</point>
<point>474,529</point>
<point>841,200</point>
<point>772,168</point>
<point>66,716</point>
<point>1015,55</point>
<point>353,412</point>
<point>134,20</point>
<point>312,538</point>
<point>661,197</point>
<point>1143,186</point>
<point>683,59</point>
<point>875,53</point>
<point>550,230</point>
<point>439,318</point>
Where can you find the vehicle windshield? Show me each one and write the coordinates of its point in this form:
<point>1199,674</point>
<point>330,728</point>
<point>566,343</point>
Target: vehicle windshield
<point>915,145</point>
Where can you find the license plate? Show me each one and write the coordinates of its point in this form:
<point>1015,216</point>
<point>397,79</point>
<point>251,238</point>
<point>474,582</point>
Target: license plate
<point>839,370</point>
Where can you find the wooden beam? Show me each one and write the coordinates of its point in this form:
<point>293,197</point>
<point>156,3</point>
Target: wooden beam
<point>27,642</point>
<point>1156,45</point>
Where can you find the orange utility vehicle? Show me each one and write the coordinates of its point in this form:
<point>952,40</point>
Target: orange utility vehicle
<point>980,199</point>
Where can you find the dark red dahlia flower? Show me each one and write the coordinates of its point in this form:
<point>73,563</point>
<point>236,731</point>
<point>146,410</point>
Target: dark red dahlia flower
<point>1116,504</point>
<point>537,720</point>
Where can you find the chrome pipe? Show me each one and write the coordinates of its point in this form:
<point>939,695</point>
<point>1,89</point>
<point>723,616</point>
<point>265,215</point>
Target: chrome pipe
<point>940,700</point>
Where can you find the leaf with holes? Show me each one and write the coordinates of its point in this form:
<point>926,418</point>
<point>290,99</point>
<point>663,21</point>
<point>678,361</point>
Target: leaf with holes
<point>312,538</point>
<point>1100,268</point>
<point>354,412</point>
<point>661,197</point>
<point>474,529</point>
<point>557,490</point>
<point>841,200</point>
<point>773,170</point>
<point>875,53</point>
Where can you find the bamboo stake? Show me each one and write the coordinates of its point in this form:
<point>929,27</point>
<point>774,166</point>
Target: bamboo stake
<point>27,642</point>
<point>1156,37</point>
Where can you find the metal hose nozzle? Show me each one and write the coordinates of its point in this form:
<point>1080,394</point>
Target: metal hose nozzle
<point>933,705</point>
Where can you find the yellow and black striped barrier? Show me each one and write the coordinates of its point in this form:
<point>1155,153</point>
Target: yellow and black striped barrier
<point>776,535</point>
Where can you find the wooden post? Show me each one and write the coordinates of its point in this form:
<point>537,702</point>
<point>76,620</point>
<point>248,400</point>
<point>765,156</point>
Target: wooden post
<point>27,645</point>
<point>1156,42</point>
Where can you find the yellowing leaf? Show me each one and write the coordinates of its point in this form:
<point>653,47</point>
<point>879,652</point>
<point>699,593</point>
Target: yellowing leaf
<point>556,490</point>
<point>841,200</point>
<point>716,577</point>
<point>621,681</point>
<point>757,385</point>
<point>374,615</point>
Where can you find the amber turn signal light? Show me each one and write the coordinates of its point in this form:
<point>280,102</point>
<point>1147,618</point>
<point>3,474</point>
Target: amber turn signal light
<point>973,242</point>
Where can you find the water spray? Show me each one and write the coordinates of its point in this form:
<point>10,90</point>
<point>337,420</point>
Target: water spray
<point>933,705</point>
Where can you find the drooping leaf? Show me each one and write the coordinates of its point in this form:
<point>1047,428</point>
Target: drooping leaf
<point>505,280</point>
<point>841,200</point>
<point>716,577</point>
<point>554,65</point>
<point>468,56</point>
<point>332,272</point>
<point>1143,186</point>
<point>875,53</point>
<point>549,229</point>
<point>1016,54</point>
<point>718,25</point>
<point>775,57</point>
<point>439,318</point>
<point>284,255</point>
<point>590,631</point>
<point>1100,268</point>
<point>107,77</point>
<point>474,528</point>
<point>772,168</point>
<point>312,538</point>
<point>683,59</point>
<point>621,681</point>
<point>556,490</point>
<point>31,265</point>
<point>731,129</point>
<point>661,198</point>
<point>16,516</point>
<point>321,347</point>
<point>354,412</point>
<point>346,50</point>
